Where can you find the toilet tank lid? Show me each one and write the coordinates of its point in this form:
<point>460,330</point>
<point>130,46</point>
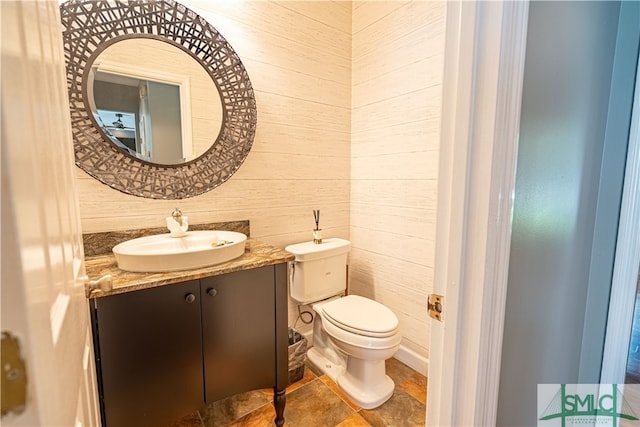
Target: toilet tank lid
<point>308,250</point>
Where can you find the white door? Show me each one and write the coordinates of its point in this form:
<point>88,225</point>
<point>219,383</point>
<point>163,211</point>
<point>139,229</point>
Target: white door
<point>43,301</point>
<point>484,65</point>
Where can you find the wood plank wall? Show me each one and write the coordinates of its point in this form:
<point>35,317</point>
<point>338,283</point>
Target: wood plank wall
<point>397,63</point>
<point>348,98</point>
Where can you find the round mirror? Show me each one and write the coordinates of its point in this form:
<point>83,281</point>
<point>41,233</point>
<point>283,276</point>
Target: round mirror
<point>103,144</point>
<point>154,101</point>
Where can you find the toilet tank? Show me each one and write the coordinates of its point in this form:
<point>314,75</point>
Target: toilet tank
<point>319,270</point>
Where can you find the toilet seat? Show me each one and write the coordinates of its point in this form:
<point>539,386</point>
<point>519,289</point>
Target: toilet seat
<point>361,316</point>
<point>355,341</point>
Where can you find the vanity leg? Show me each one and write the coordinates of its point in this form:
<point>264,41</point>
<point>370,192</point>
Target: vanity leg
<point>279,400</point>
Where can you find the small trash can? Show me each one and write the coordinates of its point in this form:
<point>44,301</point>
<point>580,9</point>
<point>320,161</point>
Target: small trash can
<point>297,355</point>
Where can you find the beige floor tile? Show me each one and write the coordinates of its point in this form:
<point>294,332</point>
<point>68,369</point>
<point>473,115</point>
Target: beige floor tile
<point>398,371</point>
<point>261,417</point>
<point>402,410</point>
<point>334,387</point>
<point>315,405</point>
<point>416,386</point>
<point>354,420</point>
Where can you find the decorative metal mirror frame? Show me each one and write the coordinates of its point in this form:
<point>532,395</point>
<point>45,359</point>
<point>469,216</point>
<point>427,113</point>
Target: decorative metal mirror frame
<point>89,28</point>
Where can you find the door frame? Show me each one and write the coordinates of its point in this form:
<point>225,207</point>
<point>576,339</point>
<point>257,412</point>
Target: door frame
<point>485,45</point>
<point>627,259</point>
<point>474,214</point>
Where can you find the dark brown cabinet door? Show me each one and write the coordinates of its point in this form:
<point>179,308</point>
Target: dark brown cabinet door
<point>150,355</point>
<point>238,329</point>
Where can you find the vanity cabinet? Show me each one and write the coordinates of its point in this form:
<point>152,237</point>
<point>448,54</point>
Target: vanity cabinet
<point>238,321</point>
<point>149,354</point>
<point>164,352</point>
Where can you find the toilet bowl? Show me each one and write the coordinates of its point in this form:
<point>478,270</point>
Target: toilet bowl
<point>365,333</point>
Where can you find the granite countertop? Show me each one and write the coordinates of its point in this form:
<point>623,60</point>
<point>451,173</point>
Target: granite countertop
<point>257,254</point>
<point>100,261</point>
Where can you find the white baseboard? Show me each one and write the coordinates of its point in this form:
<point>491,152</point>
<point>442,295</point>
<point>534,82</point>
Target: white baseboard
<point>412,359</point>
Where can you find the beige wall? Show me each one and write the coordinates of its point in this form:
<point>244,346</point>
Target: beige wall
<point>347,128</point>
<point>396,95</point>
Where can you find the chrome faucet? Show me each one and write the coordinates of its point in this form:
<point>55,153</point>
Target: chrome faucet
<point>177,223</point>
<point>177,216</point>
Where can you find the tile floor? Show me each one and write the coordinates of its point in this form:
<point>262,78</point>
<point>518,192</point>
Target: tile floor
<point>315,401</point>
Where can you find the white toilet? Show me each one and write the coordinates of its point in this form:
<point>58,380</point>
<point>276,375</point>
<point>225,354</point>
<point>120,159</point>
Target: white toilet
<point>352,335</point>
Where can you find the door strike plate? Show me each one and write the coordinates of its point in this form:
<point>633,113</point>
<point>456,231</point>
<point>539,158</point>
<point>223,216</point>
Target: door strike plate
<point>435,305</point>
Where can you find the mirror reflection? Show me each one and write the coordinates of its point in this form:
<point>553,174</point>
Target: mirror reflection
<point>154,101</point>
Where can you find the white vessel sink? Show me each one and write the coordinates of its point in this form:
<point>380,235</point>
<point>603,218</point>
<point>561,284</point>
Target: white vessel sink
<point>161,252</point>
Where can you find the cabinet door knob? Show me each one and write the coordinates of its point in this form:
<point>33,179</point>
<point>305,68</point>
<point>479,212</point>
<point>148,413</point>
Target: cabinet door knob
<point>212,292</point>
<point>190,298</point>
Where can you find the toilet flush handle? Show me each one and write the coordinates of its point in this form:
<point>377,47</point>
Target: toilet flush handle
<point>292,268</point>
